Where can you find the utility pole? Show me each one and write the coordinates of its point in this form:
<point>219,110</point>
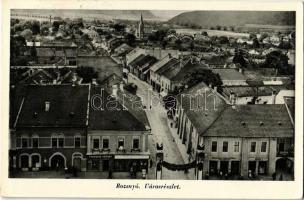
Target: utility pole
<point>199,162</point>
<point>159,160</point>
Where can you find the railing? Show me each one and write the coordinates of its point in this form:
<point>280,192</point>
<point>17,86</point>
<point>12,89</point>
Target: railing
<point>135,150</point>
<point>100,150</point>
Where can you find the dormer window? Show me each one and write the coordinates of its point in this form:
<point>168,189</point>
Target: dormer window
<point>47,106</point>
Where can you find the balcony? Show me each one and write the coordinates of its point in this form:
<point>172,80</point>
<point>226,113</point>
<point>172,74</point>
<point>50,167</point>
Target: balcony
<point>120,150</point>
<point>285,153</point>
<point>100,151</point>
<point>135,150</point>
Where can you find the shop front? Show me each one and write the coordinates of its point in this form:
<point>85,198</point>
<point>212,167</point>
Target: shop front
<point>99,162</point>
<point>127,163</point>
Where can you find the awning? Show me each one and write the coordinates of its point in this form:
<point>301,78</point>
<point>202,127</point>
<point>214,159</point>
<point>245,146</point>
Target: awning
<point>131,157</point>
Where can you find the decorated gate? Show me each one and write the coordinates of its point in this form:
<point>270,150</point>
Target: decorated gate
<point>197,163</point>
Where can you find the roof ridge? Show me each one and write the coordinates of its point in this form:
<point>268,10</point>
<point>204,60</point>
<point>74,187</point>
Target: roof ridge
<point>215,120</point>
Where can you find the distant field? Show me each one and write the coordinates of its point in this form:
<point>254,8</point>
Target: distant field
<point>268,26</point>
<point>211,32</point>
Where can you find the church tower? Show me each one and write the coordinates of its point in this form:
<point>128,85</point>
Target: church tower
<point>140,31</point>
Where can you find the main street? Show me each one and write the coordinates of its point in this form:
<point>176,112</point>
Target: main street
<point>160,133</point>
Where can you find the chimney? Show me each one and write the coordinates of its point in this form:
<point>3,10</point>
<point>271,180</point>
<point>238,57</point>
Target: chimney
<point>215,88</point>
<point>121,86</point>
<point>240,70</point>
<point>169,55</point>
<point>273,97</point>
<point>114,90</point>
<point>94,82</point>
<point>47,106</point>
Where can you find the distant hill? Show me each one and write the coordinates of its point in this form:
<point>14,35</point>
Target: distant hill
<point>89,14</point>
<point>234,18</point>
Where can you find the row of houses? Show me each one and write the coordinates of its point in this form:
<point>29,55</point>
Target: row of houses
<point>246,130</point>
<point>238,139</point>
<point>58,126</point>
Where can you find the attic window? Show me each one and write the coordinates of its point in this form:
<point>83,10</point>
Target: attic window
<point>279,123</point>
<point>47,106</point>
<point>261,123</point>
<point>243,123</point>
<point>72,114</point>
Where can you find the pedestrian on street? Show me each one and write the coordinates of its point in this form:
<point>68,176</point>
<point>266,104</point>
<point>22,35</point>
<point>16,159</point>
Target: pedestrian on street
<point>281,177</point>
<point>274,175</point>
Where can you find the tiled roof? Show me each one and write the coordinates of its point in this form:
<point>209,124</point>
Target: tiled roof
<point>143,60</point>
<point>160,63</point>
<point>229,74</point>
<point>201,105</point>
<point>118,119</point>
<point>68,106</point>
<point>187,69</point>
<point>270,120</point>
<point>171,64</point>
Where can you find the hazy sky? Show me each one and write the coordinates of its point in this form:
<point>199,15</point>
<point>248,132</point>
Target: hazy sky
<point>166,14</point>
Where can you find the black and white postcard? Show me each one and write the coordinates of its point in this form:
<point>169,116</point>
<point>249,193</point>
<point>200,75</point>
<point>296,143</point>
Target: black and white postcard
<point>158,99</point>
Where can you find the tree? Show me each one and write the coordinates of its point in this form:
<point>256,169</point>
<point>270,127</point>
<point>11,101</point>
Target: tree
<point>87,73</point>
<point>252,36</point>
<point>119,27</point>
<point>55,26</point>
<point>44,30</point>
<point>204,33</point>
<point>35,27</point>
<point>279,61</point>
<point>256,43</point>
<point>130,39</point>
<point>27,34</point>
<point>17,45</point>
<point>206,76</point>
<point>263,36</point>
<point>223,40</point>
<point>218,27</point>
<point>239,58</point>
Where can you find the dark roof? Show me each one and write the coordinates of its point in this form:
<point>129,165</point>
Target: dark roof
<point>200,112</point>
<point>246,91</point>
<point>139,57</point>
<point>118,119</point>
<point>270,120</point>
<point>59,44</point>
<point>187,69</point>
<point>68,106</point>
<point>37,75</point>
<point>229,74</point>
<point>171,64</point>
